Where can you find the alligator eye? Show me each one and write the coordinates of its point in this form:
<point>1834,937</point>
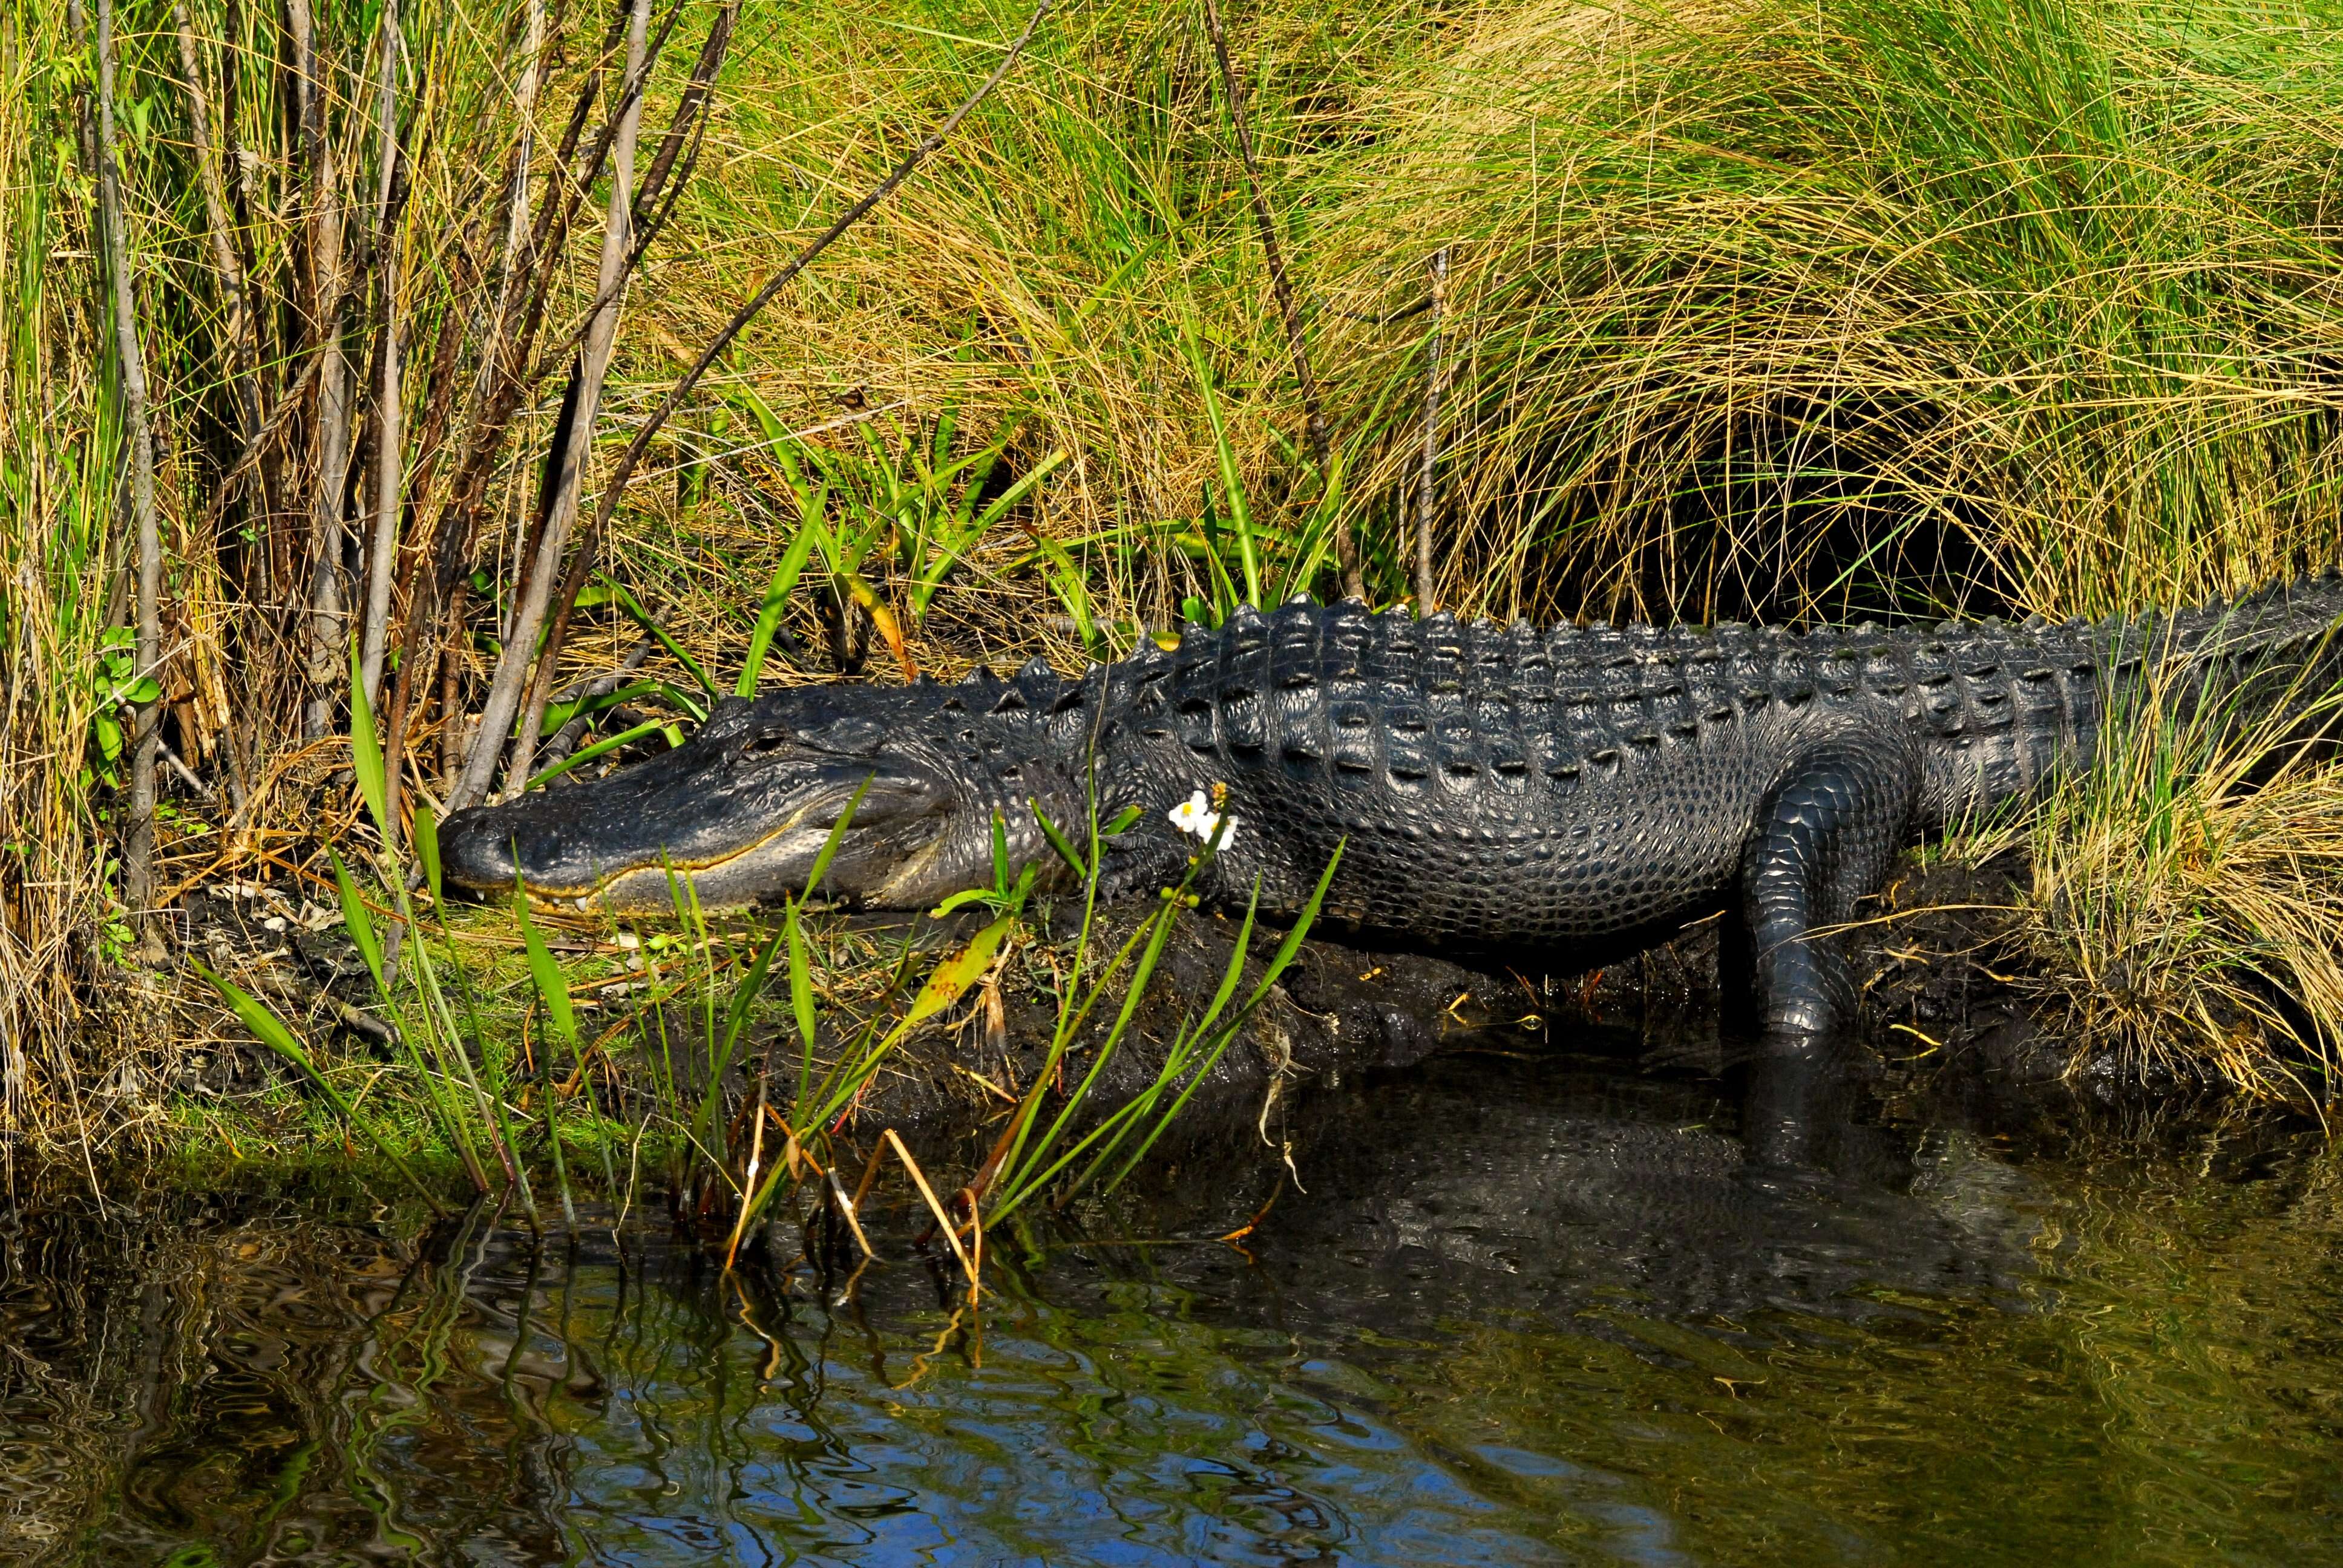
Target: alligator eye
<point>771,741</point>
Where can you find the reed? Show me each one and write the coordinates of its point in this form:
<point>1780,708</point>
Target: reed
<point>1821,309</point>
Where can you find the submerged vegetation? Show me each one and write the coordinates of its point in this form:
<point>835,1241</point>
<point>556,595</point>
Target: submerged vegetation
<point>369,450</point>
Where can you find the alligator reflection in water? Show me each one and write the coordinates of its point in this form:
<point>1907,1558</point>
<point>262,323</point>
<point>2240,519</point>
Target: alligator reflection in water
<point>1525,1310</point>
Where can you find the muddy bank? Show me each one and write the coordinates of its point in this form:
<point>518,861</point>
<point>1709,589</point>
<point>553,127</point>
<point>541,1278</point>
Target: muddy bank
<point>1937,1007</point>
<point>1944,1016</point>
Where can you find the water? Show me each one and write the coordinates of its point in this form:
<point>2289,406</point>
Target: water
<point>1533,1307</point>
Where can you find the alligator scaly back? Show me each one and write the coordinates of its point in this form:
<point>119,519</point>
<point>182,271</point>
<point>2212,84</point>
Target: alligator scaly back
<point>1558,789</point>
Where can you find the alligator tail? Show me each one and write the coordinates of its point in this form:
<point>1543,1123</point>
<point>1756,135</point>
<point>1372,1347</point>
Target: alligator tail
<point>2022,707</point>
<point>2263,664</point>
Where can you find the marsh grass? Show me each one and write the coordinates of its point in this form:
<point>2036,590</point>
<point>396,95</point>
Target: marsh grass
<point>1803,309</point>
<point>1749,309</point>
<point>740,1139</point>
<point>2185,894</point>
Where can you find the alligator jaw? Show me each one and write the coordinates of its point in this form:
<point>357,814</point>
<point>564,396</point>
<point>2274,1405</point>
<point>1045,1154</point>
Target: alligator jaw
<point>733,881</point>
<point>740,813</point>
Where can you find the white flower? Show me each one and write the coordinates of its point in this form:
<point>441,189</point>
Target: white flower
<point>1195,815</point>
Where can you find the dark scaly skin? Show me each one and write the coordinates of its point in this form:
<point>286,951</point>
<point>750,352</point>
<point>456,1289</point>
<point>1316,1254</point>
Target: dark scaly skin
<point>1493,787</point>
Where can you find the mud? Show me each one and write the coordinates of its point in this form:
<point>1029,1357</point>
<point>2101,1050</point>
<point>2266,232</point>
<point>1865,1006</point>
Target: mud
<point>1936,1007</point>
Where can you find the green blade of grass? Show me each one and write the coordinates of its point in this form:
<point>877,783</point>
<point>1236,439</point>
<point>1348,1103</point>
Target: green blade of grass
<point>365,752</point>
<point>552,989</point>
<point>601,747</point>
<point>427,848</point>
<point>801,997</point>
<point>1233,491</point>
<point>1059,842</point>
<point>270,1030</point>
<point>359,922</point>
<point>649,623</point>
<point>769,614</point>
<point>837,837</point>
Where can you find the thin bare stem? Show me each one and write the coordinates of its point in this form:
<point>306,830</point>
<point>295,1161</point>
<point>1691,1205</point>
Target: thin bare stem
<point>238,332</point>
<point>1346,538</point>
<point>138,838</point>
<point>382,556</point>
<point>575,445</point>
<point>1435,384</point>
<point>528,77</point>
<point>935,1207</point>
<point>574,580</point>
<point>328,294</point>
<point>689,117</point>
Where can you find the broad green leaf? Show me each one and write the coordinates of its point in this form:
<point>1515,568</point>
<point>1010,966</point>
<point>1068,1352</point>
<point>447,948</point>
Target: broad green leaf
<point>960,900</point>
<point>1015,493</point>
<point>1066,581</point>
<point>551,988</point>
<point>837,837</point>
<point>365,752</point>
<point>1059,842</point>
<point>270,1030</point>
<point>359,922</point>
<point>800,976</point>
<point>745,994</point>
<point>607,744</point>
<point>769,614</point>
<point>952,979</point>
<point>427,847</point>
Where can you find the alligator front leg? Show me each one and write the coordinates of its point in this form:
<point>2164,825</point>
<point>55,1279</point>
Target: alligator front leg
<point>1828,830</point>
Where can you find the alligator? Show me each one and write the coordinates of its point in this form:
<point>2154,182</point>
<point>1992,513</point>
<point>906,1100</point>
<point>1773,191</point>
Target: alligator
<point>1571,790</point>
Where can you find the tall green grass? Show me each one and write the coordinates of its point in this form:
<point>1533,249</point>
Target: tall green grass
<point>1799,309</point>
<point>2183,895</point>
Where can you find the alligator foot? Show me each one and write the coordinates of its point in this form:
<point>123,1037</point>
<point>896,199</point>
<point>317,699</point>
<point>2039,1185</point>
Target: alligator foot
<point>1797,1095</point>
<point>1825,836</point>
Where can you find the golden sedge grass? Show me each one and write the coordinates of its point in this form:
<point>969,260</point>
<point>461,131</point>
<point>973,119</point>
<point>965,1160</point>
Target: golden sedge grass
<point>2185,900</point>
<point>1750,310</point>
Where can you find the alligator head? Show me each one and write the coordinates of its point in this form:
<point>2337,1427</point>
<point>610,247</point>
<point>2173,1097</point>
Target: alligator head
<point>744,807</point>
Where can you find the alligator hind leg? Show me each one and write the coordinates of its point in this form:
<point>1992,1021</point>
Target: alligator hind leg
<point>1825,836</point>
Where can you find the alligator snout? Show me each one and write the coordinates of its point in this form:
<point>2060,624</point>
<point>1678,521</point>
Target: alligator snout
<point>474,854</point>
<point>740,813</point>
